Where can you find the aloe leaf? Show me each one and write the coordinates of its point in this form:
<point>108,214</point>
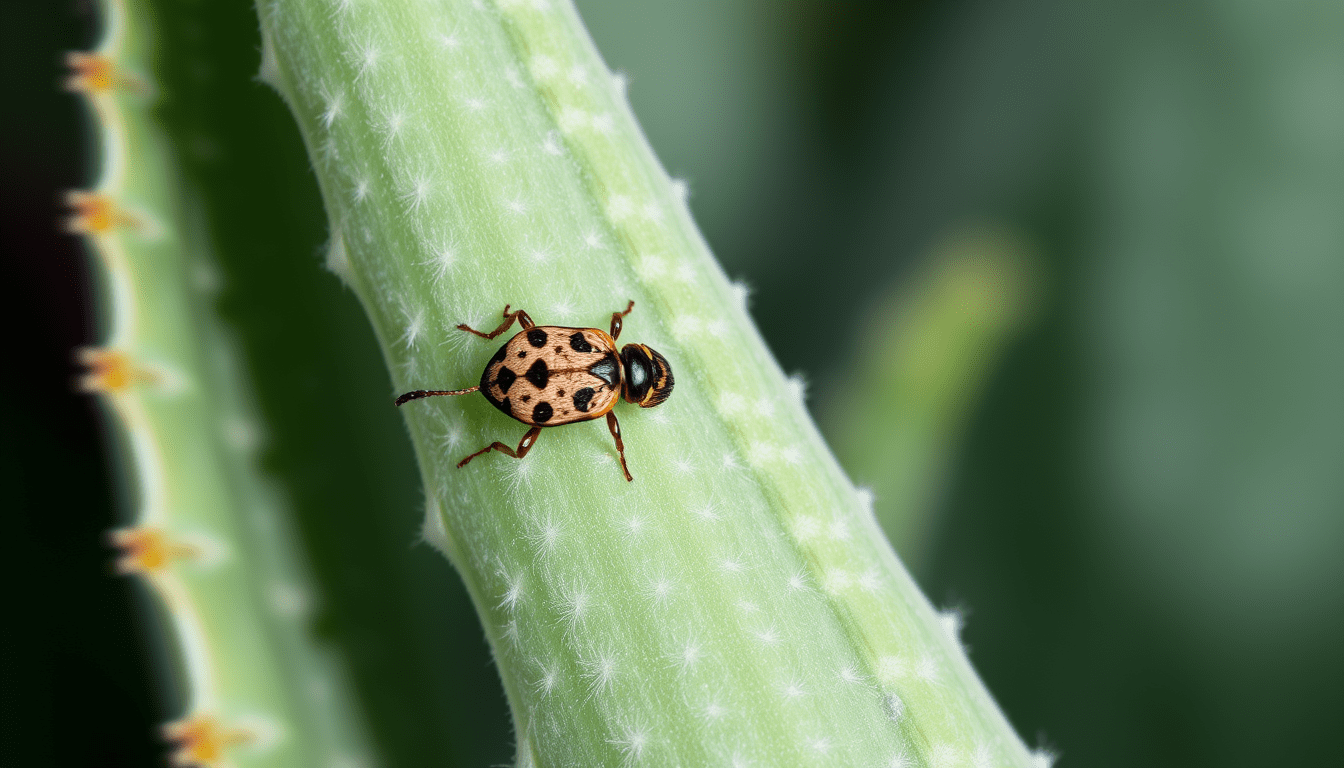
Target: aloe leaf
<point>924,356</point>
<point>736,602</point>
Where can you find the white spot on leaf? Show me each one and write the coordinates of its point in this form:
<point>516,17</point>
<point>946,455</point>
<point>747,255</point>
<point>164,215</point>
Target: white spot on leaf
<point>450,42</point>
<point>713,710</point>
<point>605,125</point>
<point>513,592</point>
<point>951,622</point>
<point>337,262</point>
<point>731,565</point>
<point>544,535</point>
<point>441,261</point>
<point>632,744</point>
<point>334,106</point>
<point>543,67</point>
<point>871,580</point>
<point>634,525</point>
<point>944,756</point>
<point>366,57</point>
<point>574,605</point>
<point>891,669</point>
<point>866,499</point>
<point>689,655</point>
<point>546,681</point>
<point>417,195</point>
<point>741,293</point>
<point>660,589</point>
<point>620,207</point>
<point>681,189</point>
<point>600,672</point>
<point>926,669</point>
<point>415,325</point>
<point>799,582</point>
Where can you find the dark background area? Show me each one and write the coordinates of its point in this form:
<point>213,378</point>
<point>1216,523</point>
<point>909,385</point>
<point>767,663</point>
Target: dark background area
<point>1142,520</point>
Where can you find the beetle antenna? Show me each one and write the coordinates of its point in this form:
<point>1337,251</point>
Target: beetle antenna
<point>419,393</point>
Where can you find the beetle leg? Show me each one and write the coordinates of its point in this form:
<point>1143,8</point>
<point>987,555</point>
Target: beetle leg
<point>615,427</point>
<point>524,446</point>
<point>616,320</point>
<point>509,317</point>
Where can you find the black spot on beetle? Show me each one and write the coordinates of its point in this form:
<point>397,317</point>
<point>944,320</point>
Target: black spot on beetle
<point>505,378</point>
<point>523,353</point>
<point>536,337</point>
<point>561,393</point>
<point>578,343</point>
<point>538,374</point>
<point>542,413</point>
<point>526,398</point>
<point>583,397</point>
<point>605,369</point>
<point>559,350</point>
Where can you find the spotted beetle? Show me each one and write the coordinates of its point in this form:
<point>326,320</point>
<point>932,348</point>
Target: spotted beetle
<point>549,375</point>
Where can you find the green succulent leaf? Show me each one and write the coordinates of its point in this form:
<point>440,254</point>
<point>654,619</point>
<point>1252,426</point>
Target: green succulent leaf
<point>736,601</point>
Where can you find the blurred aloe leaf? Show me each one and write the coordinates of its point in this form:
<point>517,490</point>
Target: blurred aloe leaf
<point>205,531</point>
<point>391,607</point>
<point>921,361</point>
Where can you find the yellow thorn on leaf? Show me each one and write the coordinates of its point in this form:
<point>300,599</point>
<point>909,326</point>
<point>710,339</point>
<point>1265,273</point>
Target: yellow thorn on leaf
<point>95,213</point>
<point>90,72</point>
<point>110,370</point>
<point>147,549</point>
<point>200,740</point>
<point>95,73</point>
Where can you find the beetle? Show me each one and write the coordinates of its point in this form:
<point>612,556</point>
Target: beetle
<point>550,375</point>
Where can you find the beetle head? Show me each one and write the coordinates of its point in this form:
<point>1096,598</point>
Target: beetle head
<point>648,377</point>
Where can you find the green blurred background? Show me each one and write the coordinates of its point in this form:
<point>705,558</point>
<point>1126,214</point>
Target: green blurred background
<point>1137,501</point>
